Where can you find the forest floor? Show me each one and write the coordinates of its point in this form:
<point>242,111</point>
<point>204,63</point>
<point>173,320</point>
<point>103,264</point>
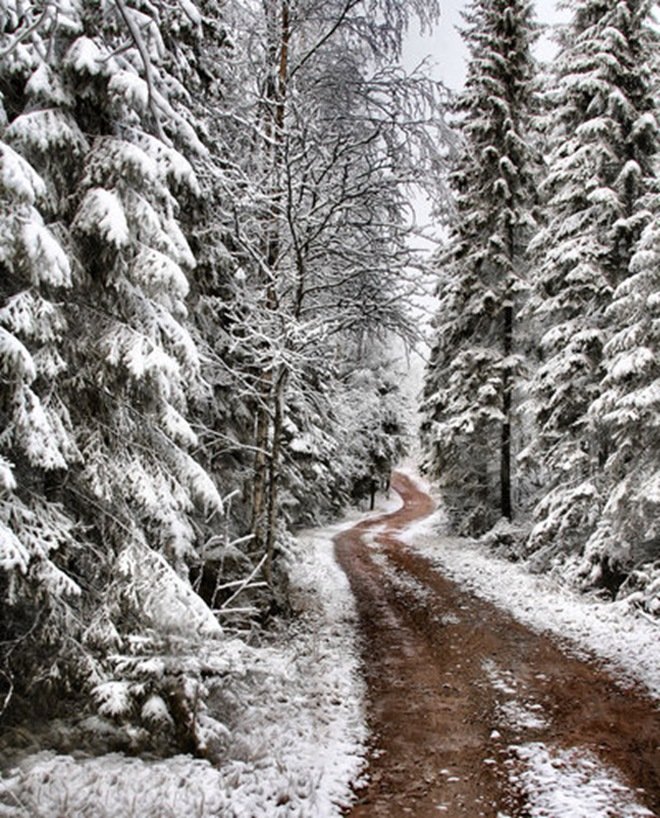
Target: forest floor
<point>427,678</point>
<point>473,713</point>
<point>293,705</point>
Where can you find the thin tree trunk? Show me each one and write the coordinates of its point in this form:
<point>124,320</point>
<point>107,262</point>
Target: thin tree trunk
<point>505,451</point>
<point>274,472</point>
<point>260,460</point>
<point>264,498</point>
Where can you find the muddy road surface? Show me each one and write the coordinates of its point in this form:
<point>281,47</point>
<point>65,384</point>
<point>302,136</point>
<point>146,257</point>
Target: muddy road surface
<point>463,701</point>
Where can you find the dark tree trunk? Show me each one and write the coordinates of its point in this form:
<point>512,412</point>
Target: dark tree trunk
<point>274,473</point>
<point>505,450</point>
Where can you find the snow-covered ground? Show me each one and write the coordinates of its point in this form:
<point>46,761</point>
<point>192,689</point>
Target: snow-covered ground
<point>628,644</point>
<point>572,784</point>
<point>298,742</point>
<point>299,737</point>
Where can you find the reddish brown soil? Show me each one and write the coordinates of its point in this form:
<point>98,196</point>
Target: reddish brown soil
<point>432,708</point>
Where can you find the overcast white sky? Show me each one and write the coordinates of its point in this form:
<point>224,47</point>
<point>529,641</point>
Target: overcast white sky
<point>445,48</point>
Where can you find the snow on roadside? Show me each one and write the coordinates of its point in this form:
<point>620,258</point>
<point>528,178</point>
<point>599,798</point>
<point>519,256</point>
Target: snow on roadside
<point>629,645</point>
<point>572,784</point>
<point>47,785</point>
<point>385,504</point>
<point>298,741</point>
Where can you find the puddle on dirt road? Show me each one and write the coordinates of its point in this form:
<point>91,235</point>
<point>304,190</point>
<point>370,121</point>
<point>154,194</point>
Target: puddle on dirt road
<point>459,692</point>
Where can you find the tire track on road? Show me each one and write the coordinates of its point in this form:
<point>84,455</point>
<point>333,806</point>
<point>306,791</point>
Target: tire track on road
<point>455,683</point>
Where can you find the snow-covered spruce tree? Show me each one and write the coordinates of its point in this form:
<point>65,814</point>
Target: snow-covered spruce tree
<point>36,439</point>
<point>626,544</point>
<point>468,405</point>
<point>603,137</point>
<point>94,139</point>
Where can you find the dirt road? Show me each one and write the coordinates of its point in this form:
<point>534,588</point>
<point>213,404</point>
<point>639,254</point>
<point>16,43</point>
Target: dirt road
<point>460,693</point>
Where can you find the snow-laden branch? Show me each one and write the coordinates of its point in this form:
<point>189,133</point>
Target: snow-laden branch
<point>28,31</point>
<point>136,36</point>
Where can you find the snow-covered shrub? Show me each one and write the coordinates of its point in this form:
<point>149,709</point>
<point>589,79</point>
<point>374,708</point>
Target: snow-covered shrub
<point>642,586</point>
<point>508,539</point>
<point>156,690</point>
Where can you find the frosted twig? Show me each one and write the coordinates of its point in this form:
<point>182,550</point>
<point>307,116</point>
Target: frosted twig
<point>649,618</point>
<point>26,32</point>
<point>136,36</point>
<point>225,586</point>
<point>245,583</point>
<point>119,50</point>
<point>235,444</point>
<point>348,6</point>
<point>249,610</point>
<point>221,539</point>
<point>10,692</point>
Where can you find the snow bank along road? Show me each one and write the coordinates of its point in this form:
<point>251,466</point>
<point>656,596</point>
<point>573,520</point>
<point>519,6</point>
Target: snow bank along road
<point>473,713</point>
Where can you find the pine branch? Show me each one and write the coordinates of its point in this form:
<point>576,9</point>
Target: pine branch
<point>23,35</point>
<point>136,36</point>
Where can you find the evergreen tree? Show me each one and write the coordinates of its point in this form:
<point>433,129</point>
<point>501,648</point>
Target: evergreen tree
<point>468,407</point>
<point>602,136</point>
<point>626,414</point>
<point>101,491</point>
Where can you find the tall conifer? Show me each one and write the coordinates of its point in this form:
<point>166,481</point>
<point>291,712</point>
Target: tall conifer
<point>468,399</point>
<point>602,140</point>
